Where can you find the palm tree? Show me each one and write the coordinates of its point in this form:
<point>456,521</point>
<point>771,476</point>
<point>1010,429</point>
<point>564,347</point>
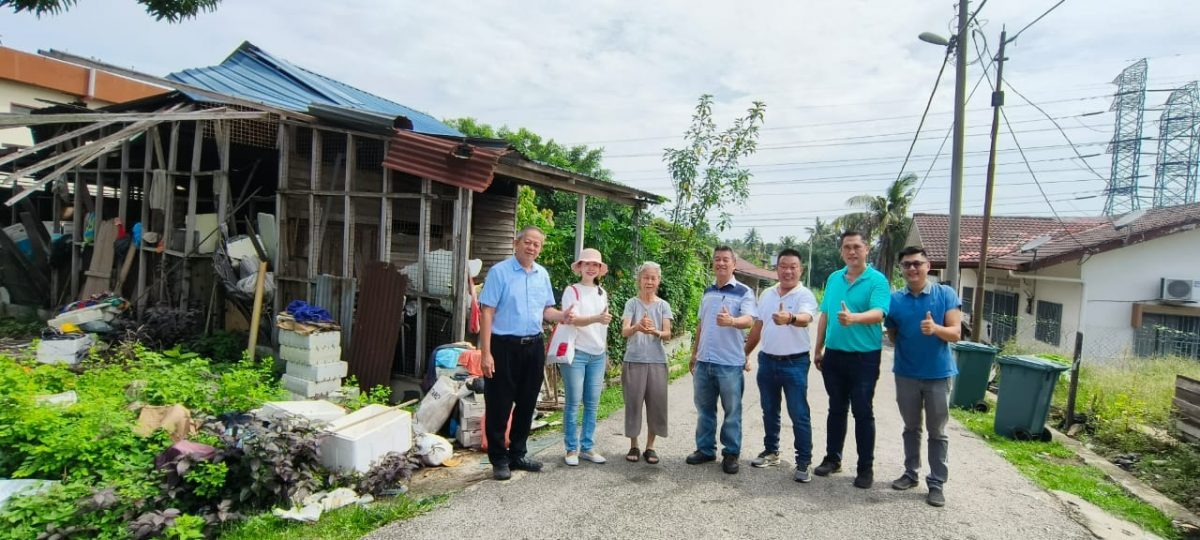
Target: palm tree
<point>885,219</point>
<point>788,241</point>
<point>753,242</point>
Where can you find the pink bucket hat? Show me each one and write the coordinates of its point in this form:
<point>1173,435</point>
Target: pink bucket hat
<point>589,255</point>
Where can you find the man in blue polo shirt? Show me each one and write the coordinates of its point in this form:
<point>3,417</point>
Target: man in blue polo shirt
<point>718,362</point>
<point>516,298</point>
<point>924,319</point>
<point>848,351</point>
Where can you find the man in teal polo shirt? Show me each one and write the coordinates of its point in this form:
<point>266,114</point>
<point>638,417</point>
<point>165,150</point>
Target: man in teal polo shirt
<point>923,320</point>
<point>847,352</point>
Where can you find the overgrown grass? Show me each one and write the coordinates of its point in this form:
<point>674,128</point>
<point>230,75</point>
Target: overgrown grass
<point>20,327</point>
<point>1120,395</point>
<point>350,522</point>
<point>1055,467</point>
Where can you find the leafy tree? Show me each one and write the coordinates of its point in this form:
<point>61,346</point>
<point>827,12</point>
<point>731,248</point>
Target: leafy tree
<point>172,10</point>
<point>885,219</point>
<point>754,244</point>
<point>611,227</point>
<point>706,173</point>
<point>788,241</point>
<point>826,257</point>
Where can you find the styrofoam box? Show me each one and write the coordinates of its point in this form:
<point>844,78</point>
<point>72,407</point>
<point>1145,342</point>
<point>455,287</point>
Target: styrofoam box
<point>318,373</point>
<point>64,351</point>
<point>469,438</point>
<point>316,410</point>
<point>317,340</point>
<point>310,357</point>
<point>309,389</point>
<point>356,445</point>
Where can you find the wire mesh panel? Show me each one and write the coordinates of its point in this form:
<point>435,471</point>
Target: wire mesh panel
<point>295,236</point>
<point>300,159</point>
<point>331,219</point>
<point>367,232</point>
<point>405,183</point>
<point>260,133</point>
<point>405,239</point>
<point>333,161</point>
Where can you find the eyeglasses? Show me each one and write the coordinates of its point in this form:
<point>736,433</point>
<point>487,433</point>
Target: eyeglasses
<point>911,264</point>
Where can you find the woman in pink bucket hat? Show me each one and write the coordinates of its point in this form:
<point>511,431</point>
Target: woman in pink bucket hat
<point>583,377</point>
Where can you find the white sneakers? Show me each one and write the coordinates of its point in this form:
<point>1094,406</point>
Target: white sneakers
<point>572,458</point>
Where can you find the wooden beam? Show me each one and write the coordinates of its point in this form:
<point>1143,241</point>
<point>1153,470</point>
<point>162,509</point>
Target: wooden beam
<point>48,143</point>
<point>8,120</point>
<point>348,210</point>
<point>560,183</point>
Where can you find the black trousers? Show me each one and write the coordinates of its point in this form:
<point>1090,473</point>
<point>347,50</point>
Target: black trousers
<point>513,388</point>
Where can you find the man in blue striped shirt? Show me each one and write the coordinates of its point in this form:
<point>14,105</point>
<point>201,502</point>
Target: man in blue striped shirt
<point>718,362</point>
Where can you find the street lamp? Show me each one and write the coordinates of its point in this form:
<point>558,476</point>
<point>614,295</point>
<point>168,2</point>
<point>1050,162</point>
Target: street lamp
<point>959,46</point>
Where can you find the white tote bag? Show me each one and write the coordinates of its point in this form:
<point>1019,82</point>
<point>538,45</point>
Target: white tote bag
<point>561,349</point>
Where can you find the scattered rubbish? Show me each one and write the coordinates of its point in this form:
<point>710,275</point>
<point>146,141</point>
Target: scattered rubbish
<point>63,348</point>
<point>363,436</point>
<point>313,411</point>
<point>174,419</point>
<point>437,405</point>
<point>433,449</point>
<point>22,488</point>
<point>314,505</point>
<point>195,450</point>
<point>63,398</point>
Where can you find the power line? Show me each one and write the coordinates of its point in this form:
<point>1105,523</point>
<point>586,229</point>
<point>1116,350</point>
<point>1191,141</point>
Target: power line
<point>917,136</point>
<point>1047,12</point>
<point>1033,175</point>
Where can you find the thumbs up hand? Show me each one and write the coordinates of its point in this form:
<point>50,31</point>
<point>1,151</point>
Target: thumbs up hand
<point>928,326</point>
<point>724,318</point>
<point>845,317</point>
<point>782,316</point>
<point>568,316</point>
<point>605,317</point>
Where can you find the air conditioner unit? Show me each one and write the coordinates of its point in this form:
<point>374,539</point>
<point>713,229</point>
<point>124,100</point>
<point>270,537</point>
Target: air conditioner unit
<point>1178,290</point>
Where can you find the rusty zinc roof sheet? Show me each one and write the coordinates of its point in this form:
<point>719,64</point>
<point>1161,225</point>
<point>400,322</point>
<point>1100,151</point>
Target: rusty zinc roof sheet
<point>454,162</point>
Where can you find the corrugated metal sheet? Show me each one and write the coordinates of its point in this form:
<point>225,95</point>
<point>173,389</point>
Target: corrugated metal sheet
<point>434,158</point>
<point>377,323</point>
<point>253,74</point>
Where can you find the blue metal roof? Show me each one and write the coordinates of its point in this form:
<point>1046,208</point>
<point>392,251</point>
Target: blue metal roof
<point>253,74</point>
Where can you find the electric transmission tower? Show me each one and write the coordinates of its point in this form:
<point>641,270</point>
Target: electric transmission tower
<point>1175,175</point>
<point>1126,145</point>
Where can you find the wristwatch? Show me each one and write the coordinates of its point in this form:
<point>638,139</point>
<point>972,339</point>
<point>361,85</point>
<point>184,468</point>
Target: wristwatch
<point>791,318</point>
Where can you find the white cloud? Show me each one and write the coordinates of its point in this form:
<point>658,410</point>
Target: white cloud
<point>615,70</point>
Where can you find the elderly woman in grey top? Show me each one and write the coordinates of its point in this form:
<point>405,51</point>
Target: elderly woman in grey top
<point>646,322</point>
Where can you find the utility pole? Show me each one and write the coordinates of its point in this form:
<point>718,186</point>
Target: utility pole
<point>956,162</point>
<point>808,275</point>
<point>997,102</point>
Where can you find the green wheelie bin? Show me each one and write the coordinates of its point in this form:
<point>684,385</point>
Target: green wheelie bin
<point>974,369</point>
<point>1026,386</point>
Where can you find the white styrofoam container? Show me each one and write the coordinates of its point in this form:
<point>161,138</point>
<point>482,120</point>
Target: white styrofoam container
<point>317,340</point>
<point>64,351</point>
<point>370,411</point>
<point>309,389</point>
<point>357,445</point>
<point>316,410</point>
<point>310,357</point>
<point>319,372</point>
<point>470,438</point>
<point>80,316</point>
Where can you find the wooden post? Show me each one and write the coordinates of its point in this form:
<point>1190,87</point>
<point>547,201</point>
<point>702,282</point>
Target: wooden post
<point>314,183</point>
<point>189,223</point>
<point>580,216</point>
<point>348,209</point>
<point>256,313</point>
<point>147,174</point>
<point>281,254</point>
<point>1074,387</point>
<point>123,196</point>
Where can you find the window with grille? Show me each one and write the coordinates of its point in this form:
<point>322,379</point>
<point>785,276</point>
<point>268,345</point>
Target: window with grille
<point>1049,323</point>
<point>1168,335</point>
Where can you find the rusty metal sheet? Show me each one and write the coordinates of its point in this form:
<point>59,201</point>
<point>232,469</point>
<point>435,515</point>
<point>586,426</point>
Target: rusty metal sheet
<point>377,321</point>
<point>452,162</point>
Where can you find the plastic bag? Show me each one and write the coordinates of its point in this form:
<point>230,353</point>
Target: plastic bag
<point>562,345</point>
<point>432,449</point>
<point>437,405</point>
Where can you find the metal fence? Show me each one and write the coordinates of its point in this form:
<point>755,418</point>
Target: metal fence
<point>1154,338</point>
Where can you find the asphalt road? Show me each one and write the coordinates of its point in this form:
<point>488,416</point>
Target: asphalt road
<point>986,497</point>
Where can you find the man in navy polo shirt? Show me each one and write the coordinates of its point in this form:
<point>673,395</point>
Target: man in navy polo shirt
<point>726,310</point>
<point>923,320</point>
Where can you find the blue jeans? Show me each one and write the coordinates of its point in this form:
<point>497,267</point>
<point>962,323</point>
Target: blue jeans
<point>712,381</point>
<point>850,382</point>
<point>789,378</point>
<point>583,380</point>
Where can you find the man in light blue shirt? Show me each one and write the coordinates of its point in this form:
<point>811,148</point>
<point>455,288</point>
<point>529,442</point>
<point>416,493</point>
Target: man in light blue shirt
<point>516,298</point>
<point>718,362</point>
<point>924,319</point>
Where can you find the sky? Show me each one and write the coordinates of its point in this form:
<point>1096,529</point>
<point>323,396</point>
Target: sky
<point>845,82</point>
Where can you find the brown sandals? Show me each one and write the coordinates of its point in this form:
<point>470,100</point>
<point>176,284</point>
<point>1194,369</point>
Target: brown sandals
<point>651,456</point>
<point>632,456</point>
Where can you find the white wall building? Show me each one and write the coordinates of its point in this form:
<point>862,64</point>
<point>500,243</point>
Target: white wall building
<point>1137,279</point>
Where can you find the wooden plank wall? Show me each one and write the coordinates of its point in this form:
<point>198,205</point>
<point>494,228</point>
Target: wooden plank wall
<point>1187,405</point>
<point>493,223</point>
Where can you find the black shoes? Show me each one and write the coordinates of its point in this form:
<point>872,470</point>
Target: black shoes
<point>501,472</point>
<point>525,464</point>
<point>698,457</point>
<point>864,479</point>
<point>827,467</point>
<point>936,497</point>
<point>729,464</point>
<point>904,482</point>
